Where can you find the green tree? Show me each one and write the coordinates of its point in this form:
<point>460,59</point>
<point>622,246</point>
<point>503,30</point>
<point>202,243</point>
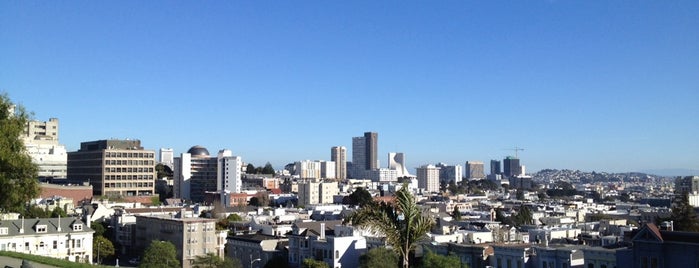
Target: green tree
<point>250,169</point>
<point>163,171</point>
<point>523,216</point>
<point>160,254</point>
<point>311,263</point>
<point>360,197</point>
<point>231,263</point>
<point>379,258</point>
<point>268,169</point>
<point>98,227</point>
<point>234,217</point>
<point>58,211</point>
<point>255,201</point>
<point>17,172</point>
<point>35,212</point>
<point>456,214</point>
<point>683,215</point>
<point>102,248</point>
<point>401,222</point>
<point>210,260</point>
<point>430,260</point>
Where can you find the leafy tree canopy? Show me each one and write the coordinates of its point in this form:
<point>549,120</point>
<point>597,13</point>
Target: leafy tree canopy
<point>311,263</point>
<point>160,254</point>
<point>268,169</point>
<point>234,217</point>
<point>360,197</point>
<point>683,215</point>
<point>102,248</point>
<point>379,258</point>
<point>18,177</point>
<point>432,260</point>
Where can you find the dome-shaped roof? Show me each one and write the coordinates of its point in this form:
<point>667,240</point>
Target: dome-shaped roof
<point>198,151</point>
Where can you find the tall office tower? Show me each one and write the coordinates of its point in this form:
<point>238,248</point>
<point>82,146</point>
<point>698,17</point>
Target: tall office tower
<point>167,156</point>
<point>41,142</point>
<point>449,173</point>
<point>495,167</point>
<point>229,173</point>
<point>372,160</point>
<point>308,169</point>
<point>358,157</point>
<point>511,166</point>
<point>338,154</point>
<point>474,170</point>
<point>114,167</point>
<point>396,161</point>
<point>196,172</point>
<point>327,170</point>
<point>428,178</point>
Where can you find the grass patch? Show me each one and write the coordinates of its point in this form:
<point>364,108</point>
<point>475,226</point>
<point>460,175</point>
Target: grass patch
<point>47,260</point>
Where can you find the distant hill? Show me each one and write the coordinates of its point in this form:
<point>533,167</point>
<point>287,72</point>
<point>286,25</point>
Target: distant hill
<point>672,172</point>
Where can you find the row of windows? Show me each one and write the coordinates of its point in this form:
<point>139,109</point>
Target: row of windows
<point>77,243</point>
<point>128,170</point>
<point>128,185</point>
<point>129,162</point>
<point>129,155</point>
<point>128,177</point>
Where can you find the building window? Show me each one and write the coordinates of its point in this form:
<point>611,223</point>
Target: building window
<point>55,244</point>
<point>77,227</point>
<point>3,231</point>
<point>41,228</point>
<point>337,254</point>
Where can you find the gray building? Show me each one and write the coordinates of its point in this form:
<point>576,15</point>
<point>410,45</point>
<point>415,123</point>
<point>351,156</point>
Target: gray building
<point>474,170</point>
<point>255,250</point>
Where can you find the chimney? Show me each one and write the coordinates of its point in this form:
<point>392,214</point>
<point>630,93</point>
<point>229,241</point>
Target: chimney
<point>322,231</point>
<point>88,222</point>
<point>21,229</point>
<point>58,228</point>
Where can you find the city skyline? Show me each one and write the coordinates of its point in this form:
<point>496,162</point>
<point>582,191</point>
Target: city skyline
<point>591,86</point>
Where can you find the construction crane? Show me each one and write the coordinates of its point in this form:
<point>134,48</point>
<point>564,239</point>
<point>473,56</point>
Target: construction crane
<point>516,149</point>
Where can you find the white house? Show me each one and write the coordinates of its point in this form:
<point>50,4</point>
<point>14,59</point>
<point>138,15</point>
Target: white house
<point>62,238</point>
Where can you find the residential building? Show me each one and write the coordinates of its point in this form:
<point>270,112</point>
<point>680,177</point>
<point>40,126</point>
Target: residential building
<point>310,192</point>
<point>511,256</point>
<point>382,175</point>
<point>256,249</point>
<point>474,170</point>
<point>428,178</point>
<point>196,172</point>
<point>330,241</point>
<point>192,237</point>
<point>41,143</point>
<point>118,168</point>
<point>61,238</point>
<point>338,154</point>
<point>80,194</point>
<point>652,247</point>
<point>327,170</point>
<point>687,185</point>
<point>396,161</point>
<point>308,169</point>
<point>448,173</point>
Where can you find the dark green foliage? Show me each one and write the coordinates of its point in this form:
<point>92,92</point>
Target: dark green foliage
<point>311,263</point>
<point>163,171</point>
<point>432,260</point>
<point>160,254</point>
<point>102,248</point>
<point>17,172</point>
<point>255,201</point>
<point>360,197</point>
<point>231,263</point>
<point>379,258</point>
<point>683,215</point>
<point>234,217</point>
<point>210,260</point>
<point>250,169</point>
<point>98,227</point>
<point>456,214</point>
<point>562,189</point>
<point>268,169</point>
<point>58,212</point>
<point>523,216</point>
<point>35,212</point>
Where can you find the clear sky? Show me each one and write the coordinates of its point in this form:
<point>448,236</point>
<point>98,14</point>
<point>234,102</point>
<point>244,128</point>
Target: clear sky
<point>590,85</point>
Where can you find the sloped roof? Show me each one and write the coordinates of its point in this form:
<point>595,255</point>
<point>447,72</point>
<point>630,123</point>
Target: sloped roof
<point>52,224</point>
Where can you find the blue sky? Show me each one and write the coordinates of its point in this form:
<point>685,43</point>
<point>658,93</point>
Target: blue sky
<point>591,85</point>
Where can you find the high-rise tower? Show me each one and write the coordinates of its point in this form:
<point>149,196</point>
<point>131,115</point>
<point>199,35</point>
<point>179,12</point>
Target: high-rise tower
<point>511,166</point>
<point>371,139</point>
<point>338,154</point>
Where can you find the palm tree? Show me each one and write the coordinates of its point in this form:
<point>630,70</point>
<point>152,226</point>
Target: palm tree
<point>401,222</point>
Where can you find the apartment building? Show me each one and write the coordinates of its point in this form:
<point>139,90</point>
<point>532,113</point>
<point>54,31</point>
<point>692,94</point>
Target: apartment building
<point>330,242</point>
<point>310,193</point>
<point>256,249</point>
<point>192,237</point>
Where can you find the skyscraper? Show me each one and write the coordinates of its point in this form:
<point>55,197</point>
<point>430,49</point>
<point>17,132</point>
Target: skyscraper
<point>196,172</point>
<point>511,166</point>
<point>167,156</point>
<point>338,154</point>
<point>41,142</point>
<point>495,167</point>
<point>372,160</point>
<point>474,170</point>
<point>358,157</point>
<point>449,173</point>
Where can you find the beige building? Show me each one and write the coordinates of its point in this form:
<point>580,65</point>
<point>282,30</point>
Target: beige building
<point>120,168</point>
<point>338,154</point>
<point>428,178</point>
<point>192,237</point>
<point>311,193</point>
<point>41,142</point>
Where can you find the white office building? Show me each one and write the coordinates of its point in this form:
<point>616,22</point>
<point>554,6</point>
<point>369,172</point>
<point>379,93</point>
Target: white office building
<point>167,156</point>
<point>41,142</point>
<point>428,178</point>
<point>308,169</point>
<point>327,170</point>
<point>396,161</point>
